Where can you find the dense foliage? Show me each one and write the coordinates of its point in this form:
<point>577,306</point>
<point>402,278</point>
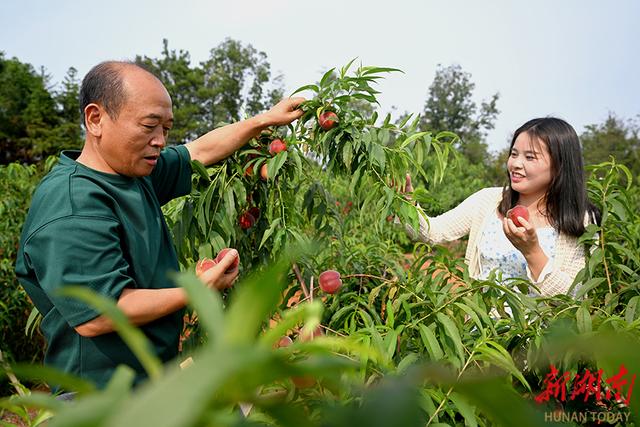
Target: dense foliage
<point>409,338</point>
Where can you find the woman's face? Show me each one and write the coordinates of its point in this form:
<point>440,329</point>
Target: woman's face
<point>529,167</point>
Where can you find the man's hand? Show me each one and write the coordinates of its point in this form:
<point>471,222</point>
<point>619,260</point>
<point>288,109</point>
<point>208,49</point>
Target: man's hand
<point>220,143</point>
<point>216,278</point>
<point>283,113</point>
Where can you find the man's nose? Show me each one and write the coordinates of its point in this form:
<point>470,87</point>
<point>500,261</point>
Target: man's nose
<point>159,141</point>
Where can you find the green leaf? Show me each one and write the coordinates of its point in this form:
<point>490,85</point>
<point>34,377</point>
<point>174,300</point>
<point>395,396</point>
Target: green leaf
<point>366,97</point>
<point>94,409</point>
<point>32,322</point>
<point>34,399</point>
<point>390,343</point>
<point>229,204</point>
<point>495,354</point>
<point>631,312</point>
<point>184,396</point>
<point>253,302</point>
<point>305,313</point>
<point>206,302</point>
<point>355,179</point>
<point>347,154</point>
<point>377,152</point>
<point>452,333</point>
<point>274,164</point>
<point>408,361</point>
<point>390,317</point>
<point>501,403</point>
<point>313,88</point>
<point>200,170</point>
<point>473,315</point>
<point>466,410</point>
<point>53,376</point>
<point>326,77</point>
<point>275,225</point>
<point>376,70</point>
<point>588,285</point>
<point>345,69</point>
<point>583,318</point>
<point>482,313</point>
<point>412,138</point>
<point>430,342</point>
<point>404,121</point>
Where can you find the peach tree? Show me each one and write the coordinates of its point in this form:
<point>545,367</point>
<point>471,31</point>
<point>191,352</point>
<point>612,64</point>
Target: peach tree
<point>261,198</point>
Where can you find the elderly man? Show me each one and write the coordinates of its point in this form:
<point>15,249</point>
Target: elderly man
<point>95,221</point>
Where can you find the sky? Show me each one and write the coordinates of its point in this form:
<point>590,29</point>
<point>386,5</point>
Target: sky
<point>574,59</point>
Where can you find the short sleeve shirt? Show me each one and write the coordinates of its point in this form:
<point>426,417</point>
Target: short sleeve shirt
<point>106,232</point>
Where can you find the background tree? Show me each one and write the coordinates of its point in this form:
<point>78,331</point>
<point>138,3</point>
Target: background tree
<point>235,81</point>
<point>35,121</point>
<point>27,110</point>
<point>69,130</point>
<point>614,137</point>
<point>236,77</point>
<point>185,85</point>
<point>450,106</point>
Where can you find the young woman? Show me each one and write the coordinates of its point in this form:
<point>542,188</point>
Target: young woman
<point>546,175</point>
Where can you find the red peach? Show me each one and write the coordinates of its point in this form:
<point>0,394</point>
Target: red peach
<point>518,211</point>
<point>203,265</point>
<point>285,341</point>
<point>330,281</point>
<point>255,212</point>
<point>276,146</point>
<point>263,172</point>
<point>327,120</point>
<point>246,221</point>
<point>303,382</point>
<point>233,266</point>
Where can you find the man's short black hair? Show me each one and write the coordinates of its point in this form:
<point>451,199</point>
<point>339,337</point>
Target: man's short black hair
<point>104,85</point>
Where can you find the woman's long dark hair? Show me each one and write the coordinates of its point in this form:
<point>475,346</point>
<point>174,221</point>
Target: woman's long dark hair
<point>566,197</point>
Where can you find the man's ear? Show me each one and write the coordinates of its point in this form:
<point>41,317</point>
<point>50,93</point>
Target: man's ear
<point>93,118</point>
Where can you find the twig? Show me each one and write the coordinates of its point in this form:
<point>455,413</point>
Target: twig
<point>366,275</point>
<point>311,288</point>
<point>301,280</point>
<point>446,397</point>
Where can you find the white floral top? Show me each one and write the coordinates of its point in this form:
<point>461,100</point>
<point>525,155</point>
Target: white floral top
<point>496,251</point>
<point>470,218</point>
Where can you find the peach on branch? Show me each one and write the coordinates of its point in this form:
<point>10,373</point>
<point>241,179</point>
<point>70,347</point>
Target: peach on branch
<point>330,281</point>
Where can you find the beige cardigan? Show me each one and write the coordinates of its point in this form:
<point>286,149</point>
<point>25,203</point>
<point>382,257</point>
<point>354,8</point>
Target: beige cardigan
<point>469,217</point>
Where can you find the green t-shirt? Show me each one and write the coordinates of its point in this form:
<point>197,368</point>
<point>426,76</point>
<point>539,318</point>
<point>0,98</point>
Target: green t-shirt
<point>106,232</point>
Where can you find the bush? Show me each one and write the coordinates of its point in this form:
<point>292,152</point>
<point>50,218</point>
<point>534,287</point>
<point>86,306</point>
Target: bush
<point>17,183</point>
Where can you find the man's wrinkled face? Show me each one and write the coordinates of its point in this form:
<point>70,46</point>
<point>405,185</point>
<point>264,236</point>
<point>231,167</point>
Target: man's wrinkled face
<point>131,142</point>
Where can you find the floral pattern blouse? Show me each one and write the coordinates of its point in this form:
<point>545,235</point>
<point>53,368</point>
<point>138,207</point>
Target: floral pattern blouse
<point>496,251</point>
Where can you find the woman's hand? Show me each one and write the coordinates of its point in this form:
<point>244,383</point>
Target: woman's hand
<point>525,239</point>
